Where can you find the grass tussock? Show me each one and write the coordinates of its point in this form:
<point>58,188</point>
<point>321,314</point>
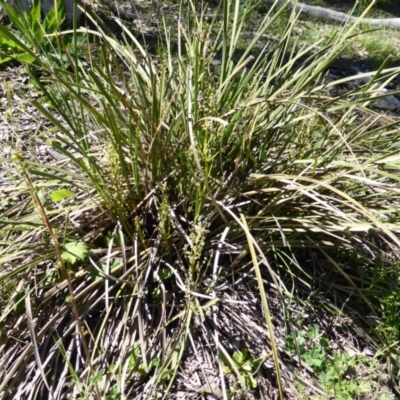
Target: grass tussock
<point>209,204</point>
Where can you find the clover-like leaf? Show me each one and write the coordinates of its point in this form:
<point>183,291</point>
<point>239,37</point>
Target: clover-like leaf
<point>74,251</point>
<point>313,331</point>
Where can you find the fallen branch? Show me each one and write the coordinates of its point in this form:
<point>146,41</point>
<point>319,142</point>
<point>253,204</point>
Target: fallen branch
<point>325,14</point>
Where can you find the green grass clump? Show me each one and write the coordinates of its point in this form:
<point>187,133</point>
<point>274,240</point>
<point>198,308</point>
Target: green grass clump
<point>176,179</point>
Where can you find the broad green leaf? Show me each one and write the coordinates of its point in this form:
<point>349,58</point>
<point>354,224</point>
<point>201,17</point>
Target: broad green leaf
<point>8,34</point>
<point>74,251</point>
<point>155,362</point>
<point>301,341</point>
<point>97,377</point>
<point>35,13</point>
<point>240,357</point>
<point>315,357</point>
<point>112,368</point>
<point>247,366</point>
<point>19,303</point>
<point>324,342</point>
<point>55,17</point>
<point>156,294</point>
<point>290,342</point>
<point>226,369</point>
<point>4,60</point>
<point>59,195</point>
<point>7,44</point>
<point>313,331</point>
<point>25,58</point>
<point>324,379</point>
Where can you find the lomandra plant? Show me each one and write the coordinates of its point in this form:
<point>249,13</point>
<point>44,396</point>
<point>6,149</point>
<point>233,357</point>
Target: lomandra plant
<point>202,193</point>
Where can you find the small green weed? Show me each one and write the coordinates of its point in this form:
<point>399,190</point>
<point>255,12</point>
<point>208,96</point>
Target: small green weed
<point>310,346</point>
<point>388,297</point>
<point>246,365</point>
<point>74,251</point>
<point>343,376</point>
<point>340,379</point>
<point>100,376</point>
<point>136,363</point>
<point>139,365</point>
<point>94,381</point>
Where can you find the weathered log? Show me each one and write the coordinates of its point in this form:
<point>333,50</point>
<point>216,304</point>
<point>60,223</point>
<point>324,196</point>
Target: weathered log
<point>324,14</point>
